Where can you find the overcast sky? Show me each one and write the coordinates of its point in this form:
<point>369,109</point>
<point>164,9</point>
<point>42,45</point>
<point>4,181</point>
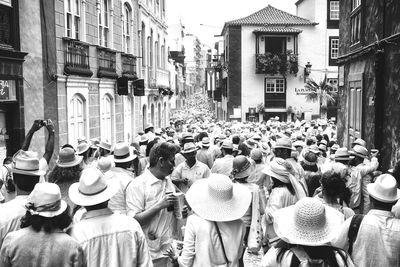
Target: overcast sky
<point>213,13</point>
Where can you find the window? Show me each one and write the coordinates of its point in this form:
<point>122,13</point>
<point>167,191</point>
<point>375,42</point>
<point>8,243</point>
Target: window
<point>106,118</point>
<point>333,50</point>
<point>274,86</point>
<point>334,83</point>
<point>104,13</point>
<point>355,21</point>
<point>143,39</point>
<point>334,10</point>
<point>128,119</point>
<point>77,119</point>
<point>73,19</point>
<point>275,45</point>
<point>126,29</point>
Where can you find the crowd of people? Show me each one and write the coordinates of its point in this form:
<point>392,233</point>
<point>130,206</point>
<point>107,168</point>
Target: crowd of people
<point>201,193</point>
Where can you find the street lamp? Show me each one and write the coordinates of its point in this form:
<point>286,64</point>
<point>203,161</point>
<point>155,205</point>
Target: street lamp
<point>307,71</point>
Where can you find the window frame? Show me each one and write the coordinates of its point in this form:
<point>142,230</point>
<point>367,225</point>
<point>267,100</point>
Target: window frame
<point>126,24</point>
<point>332,23</point>
<point>275,86</point>
<point>75,31</point>
<point>104,27</point>
<point>333,60</point>
<point>336,11</point>
<point>356,18</point>
<point>74,120</point>
<point>104,116</point>
<point>355,106</point>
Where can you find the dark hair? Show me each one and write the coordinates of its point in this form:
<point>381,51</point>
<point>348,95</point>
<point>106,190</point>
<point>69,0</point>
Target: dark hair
<point>332,184</point>
<point>60,175</point>
<point>284,153</point>
<point>309,142</point>
<point>148,130</point>
<point>313,182</point>
<point>245,149</point>
<point>161,150</point>
<point>200,136</point>
<point>143,143</point>
<point>278,183</point>
<point>326,253</point>
<point>150,146</point>
<point>7,160</point>
<point>48,224</point>
<point>396,173</point>
<point>325,136</point>
<point>25,182</point>
<point>228,151</point>
<point>319,137</point>
<point>235,139</point>
<point>259,161</point>
<point>310,168</point>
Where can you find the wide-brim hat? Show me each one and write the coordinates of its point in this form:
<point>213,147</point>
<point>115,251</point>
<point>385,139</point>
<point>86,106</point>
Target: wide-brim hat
<point>105,146</point>
<point>218,199</point>
<point>277,169</point>
<point>82,148</point>
<point>384,189</point>
<point>68,158</point>
<point>45,200</point>
<point>205,142</point>
<point>283,142</point>
<point>359,151</point>
<point>122,153</point>
<point>309,223</point>
<point>26,163</point>
<point>92,188</point>
<point>242,167</point>
<point>189,148</point>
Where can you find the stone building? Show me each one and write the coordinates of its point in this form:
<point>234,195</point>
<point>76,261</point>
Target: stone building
<point>369,82</point>
<point>269,55</point>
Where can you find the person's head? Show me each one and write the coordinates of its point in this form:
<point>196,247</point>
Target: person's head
<point>68,146</point>
<point>242,168</point>
<point>383,192</point>
<point>309,162</point>
<point>25,169</point>
<point>189,152</point>
<point>236,139</point>
<point>244,149</point>
<point>83,149</point>
<point>279,171</point>
<point>149,128</point>
<point>45,209</point>
<point>150,146</point>
<point>144,140</point>
<point>360,153</point>
<point>342,155</point>
<point>257,155</point>
<point>162,158</point>
<point>283,148</point>
<point>92,189</point>
<point>333,186</point>
<point>105,148</point>
<point>123,157</point>
<point>227,147</point>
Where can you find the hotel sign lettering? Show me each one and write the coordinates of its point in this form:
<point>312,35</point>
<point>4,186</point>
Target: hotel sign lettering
<point>7,90</point>
<point>302,91</point>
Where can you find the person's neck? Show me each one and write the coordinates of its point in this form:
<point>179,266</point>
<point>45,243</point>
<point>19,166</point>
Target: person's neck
<point>329,200</point>
<point>157,173</point>
<point>191,163</point>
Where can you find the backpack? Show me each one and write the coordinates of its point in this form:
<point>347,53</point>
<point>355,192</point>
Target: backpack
<point>353,230</point>
<point>305,260</point>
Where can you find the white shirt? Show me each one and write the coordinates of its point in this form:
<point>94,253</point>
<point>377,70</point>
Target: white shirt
<point>223,165</point>
<point>377,242</point>
<point>143,193</point>
<point>10,215</point>
<point>122,177</point>
<point>198,171</point>
<point>110,239</point>
<point>202,247</point>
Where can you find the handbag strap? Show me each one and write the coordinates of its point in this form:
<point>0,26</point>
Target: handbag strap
<point>222,243</point>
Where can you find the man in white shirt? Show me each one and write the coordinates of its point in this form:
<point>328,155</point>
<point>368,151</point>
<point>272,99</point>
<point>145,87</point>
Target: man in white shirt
<point>26,173</point>
<point>377,242</point>
<point>107,238</point>
<point>224,165</point>
<point>189,171</point>
<point>149,200</point>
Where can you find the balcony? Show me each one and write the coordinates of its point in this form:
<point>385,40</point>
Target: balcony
<point>76,58</point>
<point>129,66</point>
<point>162,78</point>
<point>272,64</point>
<point>107,66</point>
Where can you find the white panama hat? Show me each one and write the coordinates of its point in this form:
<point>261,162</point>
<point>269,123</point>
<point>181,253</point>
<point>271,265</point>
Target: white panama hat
<point>45,200</point>
<point>92,188</point>
<point>384,189</point>
<point>309,222</point>
<point>218,199</point>
<point>26,163</point>
<point>122,153</point>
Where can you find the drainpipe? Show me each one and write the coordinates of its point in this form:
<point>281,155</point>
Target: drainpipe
<point>380,87</point>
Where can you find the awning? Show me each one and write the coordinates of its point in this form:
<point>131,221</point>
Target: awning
<point>277,29</point>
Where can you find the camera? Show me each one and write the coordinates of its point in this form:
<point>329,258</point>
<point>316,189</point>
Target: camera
<point>43,123</point>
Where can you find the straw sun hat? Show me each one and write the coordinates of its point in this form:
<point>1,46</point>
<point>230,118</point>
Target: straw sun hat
<point>309,222</point>
<point>92,188</point>
<point>218,199</point>
<point>384,189</point>
<point>67,158</point>
<point>45,200</point>
<point>26,163</point>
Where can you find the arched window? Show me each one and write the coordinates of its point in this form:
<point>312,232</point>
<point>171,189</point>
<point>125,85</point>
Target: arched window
<point>104,19</point>
<point>143,37</point>
<point>156,55</point>
<point>77,119</point>
<point>106,117</point>
<point>126,29</point>
<point>159,115</point>
<point>152,114</point>
<point>128,119</point>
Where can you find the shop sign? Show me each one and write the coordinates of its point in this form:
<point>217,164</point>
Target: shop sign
<point>302,91</point>
<point>7,90</point>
